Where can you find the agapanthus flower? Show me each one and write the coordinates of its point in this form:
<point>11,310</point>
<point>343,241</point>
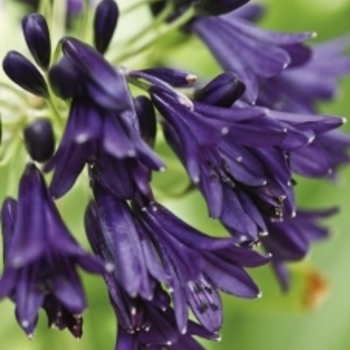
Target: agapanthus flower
<point>250,52</point>
<point>244,175</point>
<point>102,122</point>
<point>300,89</point>
<point>141,321</point>
<point>41,259</point>
<point>289,241</point>
<point>149,245</point>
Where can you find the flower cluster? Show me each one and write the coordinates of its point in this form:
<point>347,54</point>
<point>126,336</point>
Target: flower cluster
<point>241,138</point>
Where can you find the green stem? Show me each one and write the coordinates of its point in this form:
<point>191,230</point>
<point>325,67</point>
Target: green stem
<point>185,17</point>
<point>85,30</point>
<point>153,25</point>
<point>54,111</point>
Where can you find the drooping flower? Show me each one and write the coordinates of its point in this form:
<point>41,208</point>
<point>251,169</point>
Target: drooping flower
<point>299,89</point>
<point>289,240</point>
<point>149,245</point>
<point>248,51</point>
<point>143,319</point>
<point>102,128</point>
<point>244,175</point>
<point>41,259</point>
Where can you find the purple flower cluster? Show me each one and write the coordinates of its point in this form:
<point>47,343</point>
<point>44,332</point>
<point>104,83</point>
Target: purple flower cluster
<point>241,138</point>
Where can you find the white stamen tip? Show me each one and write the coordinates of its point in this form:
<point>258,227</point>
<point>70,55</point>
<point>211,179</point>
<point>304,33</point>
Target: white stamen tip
<point>259,295</point>
<point>133,311</point>
<point>131,153</point>
<point>184,330</point>
<point>162,169</point>
<point>344,120</point>
<point>294,214</point>
<point>109,267</point>
<point>263,233</point>
<point>25,323</point>
<point>191,78</point>
<point>313,35</point>
<point>81,138</point>
<point>30,336</point>
<point>224,130</point>
<point>196,179</point>
<point>239,159</point>
<point>311,139</point>
<point>243,239</point>
<point>219,338</point>
<point>169,342</point>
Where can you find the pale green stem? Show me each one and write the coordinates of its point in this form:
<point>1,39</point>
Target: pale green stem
<point>59,14</point>
<point>54,111</point>
<point>10,151</point>
<point>85,30</point>
<point>185,17</point>
<point>153,25</point>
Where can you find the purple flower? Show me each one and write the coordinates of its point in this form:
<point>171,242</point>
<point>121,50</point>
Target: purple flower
<point>299,89</point>
<point>144,313</point>
<point>248,51</point>
<point>102,128</point>
<point>149,245</point>
<point>290,240</point>
<point>243,173</point>
<point>41,258</point>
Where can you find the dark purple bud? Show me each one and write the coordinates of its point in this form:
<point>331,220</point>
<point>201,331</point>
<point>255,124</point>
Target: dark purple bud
<point>105,22</point>
<point>103,83</point>
<point>222,91</point>
<point>37,36</point>
<point>8,218</point>
<point>218,7</point>
<point>174,77</point>
<point>22,72</point>
<point>64,79</point>
<point>39,140</point>
<point>147,119</point>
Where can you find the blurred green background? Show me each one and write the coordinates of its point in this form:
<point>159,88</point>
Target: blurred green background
<point>277,321</point>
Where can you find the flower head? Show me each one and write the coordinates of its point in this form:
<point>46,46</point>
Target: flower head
<point>41,256</point>
<point>249,51</point>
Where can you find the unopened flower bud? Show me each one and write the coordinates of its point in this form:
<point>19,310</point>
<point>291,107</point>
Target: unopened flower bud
<point>105,22</point>
<point>147,119</point>
<point>22,72</point>
<point>39,140</point>
<point>222,91</point>
<point>37,36</point>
